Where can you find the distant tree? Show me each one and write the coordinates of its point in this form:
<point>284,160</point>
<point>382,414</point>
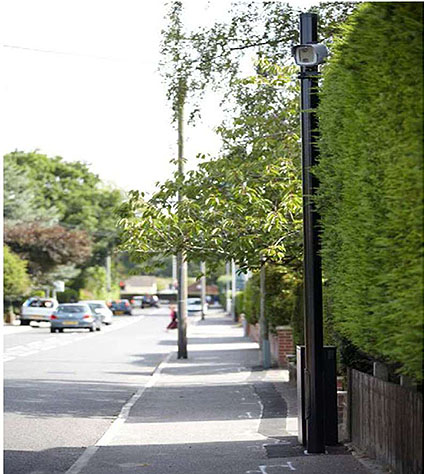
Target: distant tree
<point>47,247</point>
<point>19,197</point>
<point>94,283</point>
<point>16,281</point>
<point>66,191</point>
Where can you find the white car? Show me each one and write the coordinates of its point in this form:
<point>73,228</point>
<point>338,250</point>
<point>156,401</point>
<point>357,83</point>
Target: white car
<point>194,306</point>
<point>37,309</point>
<point>100,307</point>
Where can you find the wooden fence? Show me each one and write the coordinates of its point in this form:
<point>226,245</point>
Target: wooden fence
<point>386,422</point>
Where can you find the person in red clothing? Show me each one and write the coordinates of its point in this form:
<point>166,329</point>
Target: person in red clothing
<point>173,315</point>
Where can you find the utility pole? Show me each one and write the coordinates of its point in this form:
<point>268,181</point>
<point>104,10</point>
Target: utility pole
<point>181,258</point>
<point>314,383</point>
<point>228,278</point>
<point>108,273</point>
<point>203,290</point>
<point>264,325</point>
<point>233,309</point>
<point>174,270</point>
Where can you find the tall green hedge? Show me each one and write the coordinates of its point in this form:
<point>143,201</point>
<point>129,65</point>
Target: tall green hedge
<point>371,174</point>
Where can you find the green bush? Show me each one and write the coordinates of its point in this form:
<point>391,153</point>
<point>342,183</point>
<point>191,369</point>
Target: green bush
<point>40,293</point>
<point>68,296</point>
<point>221,282</point>
<point>251,299</point>
<point>281,296</point>
<point>283,305</point>
<point>239,303</point>
<point>371,192</point>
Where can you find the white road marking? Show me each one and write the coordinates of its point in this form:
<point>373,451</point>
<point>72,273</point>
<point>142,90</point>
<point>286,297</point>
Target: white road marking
<point>53,342</point>
<point>264,469</point>
<point>83,460</point>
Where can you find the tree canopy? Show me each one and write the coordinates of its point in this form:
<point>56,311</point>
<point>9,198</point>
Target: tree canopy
<point>68,191</point>
<point>58,215</point>
<point>16,281</point>
<point>46,247</point>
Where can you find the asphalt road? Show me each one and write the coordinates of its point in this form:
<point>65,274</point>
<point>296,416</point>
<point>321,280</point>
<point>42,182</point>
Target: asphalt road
<point>62,391</point>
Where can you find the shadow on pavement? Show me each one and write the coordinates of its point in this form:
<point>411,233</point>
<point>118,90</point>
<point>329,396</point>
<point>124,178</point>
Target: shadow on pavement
<point>208,340</point>
<point>52,461</point>
<point>57,398</point>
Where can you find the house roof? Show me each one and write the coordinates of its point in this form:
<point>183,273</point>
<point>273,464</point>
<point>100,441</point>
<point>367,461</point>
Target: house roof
<point>195,289</point>
<point>140,281</point>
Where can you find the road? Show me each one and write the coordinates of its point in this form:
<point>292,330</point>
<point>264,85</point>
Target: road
<point>62,391</point>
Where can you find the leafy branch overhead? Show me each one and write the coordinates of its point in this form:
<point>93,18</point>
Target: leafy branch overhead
<point>246,203</point>
<point>215,56</point>
<point>242,205</point>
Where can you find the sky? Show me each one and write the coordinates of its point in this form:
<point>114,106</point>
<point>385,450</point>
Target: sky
<point>81,81</point>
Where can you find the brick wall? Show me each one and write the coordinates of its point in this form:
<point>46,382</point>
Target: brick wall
<point>281,343</point>
<point>285,344</point>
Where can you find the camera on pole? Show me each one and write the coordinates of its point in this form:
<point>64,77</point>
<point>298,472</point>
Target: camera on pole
<point>310,54</point>
<point>316,366</point>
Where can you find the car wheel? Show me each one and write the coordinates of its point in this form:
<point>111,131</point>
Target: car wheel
<point>25,322</point>
<point>98,328</point>
<point>52,330</point>
<point>91,328</point>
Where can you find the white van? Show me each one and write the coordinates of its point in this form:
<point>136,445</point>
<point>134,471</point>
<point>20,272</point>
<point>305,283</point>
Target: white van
<point>37,309</point>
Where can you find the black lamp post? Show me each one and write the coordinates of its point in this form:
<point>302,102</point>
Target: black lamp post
<point>308,55</point>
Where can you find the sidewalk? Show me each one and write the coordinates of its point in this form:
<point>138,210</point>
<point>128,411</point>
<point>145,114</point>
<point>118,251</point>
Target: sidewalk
<point>216,412</point>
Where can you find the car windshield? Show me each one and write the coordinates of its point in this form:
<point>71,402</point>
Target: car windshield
<point>71,309</point>
<point>41,304</point>
<point>193,301</point>
<point>119,304</point>
<point>95,305</point>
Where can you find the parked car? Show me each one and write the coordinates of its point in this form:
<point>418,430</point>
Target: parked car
<point>75,315</point>
<point>137,301</point>
<point>145,301</point>
<point>100,307</point>
<point>37,309</point>
<point>121,307</point>
<point>194,306</point>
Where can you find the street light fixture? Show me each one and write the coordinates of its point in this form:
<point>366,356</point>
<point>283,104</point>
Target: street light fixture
<point>310,54</point>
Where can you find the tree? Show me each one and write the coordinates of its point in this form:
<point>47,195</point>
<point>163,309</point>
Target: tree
<point>95,284</point>
<point>47,247</point>
<point>19,196</point>
<point>246,203</point>
<point>70,195</point>
<point>16,281</point>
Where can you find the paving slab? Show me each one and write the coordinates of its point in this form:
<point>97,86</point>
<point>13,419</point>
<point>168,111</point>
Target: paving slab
<point>215,412</point>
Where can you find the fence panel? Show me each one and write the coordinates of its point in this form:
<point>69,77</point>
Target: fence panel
<point>387,422</point>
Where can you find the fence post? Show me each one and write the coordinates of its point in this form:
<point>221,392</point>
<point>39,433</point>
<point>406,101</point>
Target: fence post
<point>380,371</point>
<point>349,404</point>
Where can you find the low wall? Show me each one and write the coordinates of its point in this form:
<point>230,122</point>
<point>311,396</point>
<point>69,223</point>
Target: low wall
<point>281,343</point>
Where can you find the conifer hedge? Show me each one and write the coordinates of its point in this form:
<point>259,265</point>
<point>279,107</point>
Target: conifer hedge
<point>371,175</point>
